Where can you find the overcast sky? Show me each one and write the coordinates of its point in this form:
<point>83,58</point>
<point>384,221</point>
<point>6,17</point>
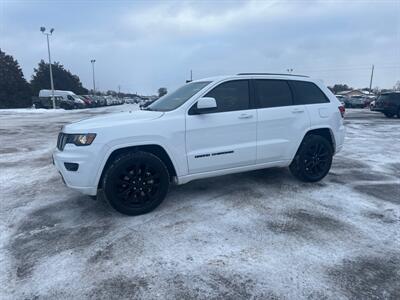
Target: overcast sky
<point>143,45</point>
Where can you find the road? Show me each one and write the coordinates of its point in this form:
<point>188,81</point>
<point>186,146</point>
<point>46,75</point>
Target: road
<point>260,234</point>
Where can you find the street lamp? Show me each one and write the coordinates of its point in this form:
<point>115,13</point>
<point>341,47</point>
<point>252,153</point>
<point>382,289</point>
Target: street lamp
<point>43,30</point>
<point>94,82</point>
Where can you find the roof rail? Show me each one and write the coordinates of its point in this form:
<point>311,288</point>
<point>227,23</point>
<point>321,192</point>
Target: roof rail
<point>281,74</point>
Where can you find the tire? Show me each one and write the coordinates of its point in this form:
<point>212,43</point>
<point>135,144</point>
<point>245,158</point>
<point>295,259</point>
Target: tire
<point>136,183</point>
<point>398,113</point>
<point>313,159</point>
<point>389,115</point>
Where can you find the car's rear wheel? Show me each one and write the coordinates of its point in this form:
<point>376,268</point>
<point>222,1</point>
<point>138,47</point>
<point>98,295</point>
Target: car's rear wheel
<point>313,160</point>
<point>136,183</point>
<point>389,115</point>
<point>398,113</point>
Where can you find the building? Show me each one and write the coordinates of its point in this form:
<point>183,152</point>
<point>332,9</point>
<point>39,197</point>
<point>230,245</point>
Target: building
<point>351,93</point>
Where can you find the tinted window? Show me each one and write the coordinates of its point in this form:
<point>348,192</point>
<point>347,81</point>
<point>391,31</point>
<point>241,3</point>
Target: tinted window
<point>308,93</point>
<point>389,98</point>
<point>231,95</point>
<point>272,93</point>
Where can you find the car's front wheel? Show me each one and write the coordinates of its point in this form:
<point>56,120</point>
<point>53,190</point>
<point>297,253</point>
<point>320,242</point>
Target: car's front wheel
<point>136,183</point>
<point>313,160</point>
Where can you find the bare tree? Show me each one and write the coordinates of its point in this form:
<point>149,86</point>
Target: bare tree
<point>397,86</point>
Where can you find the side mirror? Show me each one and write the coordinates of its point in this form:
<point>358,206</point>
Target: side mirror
<point>206,105</point>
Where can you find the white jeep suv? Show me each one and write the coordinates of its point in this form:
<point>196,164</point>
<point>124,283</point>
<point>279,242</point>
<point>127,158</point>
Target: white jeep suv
<point>208,127</point>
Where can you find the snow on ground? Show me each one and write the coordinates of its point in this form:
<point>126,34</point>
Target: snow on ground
<point>258,234</point>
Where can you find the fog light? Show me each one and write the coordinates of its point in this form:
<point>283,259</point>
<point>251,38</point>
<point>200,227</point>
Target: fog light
<point>71,166</point>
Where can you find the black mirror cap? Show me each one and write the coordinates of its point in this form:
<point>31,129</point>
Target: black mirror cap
<point>196,111</point>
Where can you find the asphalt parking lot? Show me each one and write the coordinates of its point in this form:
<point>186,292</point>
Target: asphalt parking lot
<point>260,235</point>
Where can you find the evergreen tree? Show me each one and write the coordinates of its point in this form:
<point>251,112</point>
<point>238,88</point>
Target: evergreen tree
<point>339,88</point>
<point>63,79</point>
<point>162,91</point>
<point>15,91</point>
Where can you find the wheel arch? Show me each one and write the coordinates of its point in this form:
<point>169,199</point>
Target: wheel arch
<point>324,132</point>
<point>154,149</point>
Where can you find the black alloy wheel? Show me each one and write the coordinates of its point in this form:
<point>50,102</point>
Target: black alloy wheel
<point>136,183</point>
<point>313,159</point>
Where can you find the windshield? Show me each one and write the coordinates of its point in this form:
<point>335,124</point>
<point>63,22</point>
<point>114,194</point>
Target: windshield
<point>178,97</point>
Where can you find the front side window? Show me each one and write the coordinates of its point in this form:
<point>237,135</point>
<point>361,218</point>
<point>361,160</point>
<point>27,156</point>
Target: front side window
<point>272,93</point>
<point>177,98</point>
<point>308,93</point>
<point>70,98</point>
<point>232,95</point>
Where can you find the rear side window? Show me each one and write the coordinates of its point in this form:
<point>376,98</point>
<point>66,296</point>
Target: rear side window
<point>231,95</point>
<point>272,93</point>
<point>307,93</point>
<point>395,98</point>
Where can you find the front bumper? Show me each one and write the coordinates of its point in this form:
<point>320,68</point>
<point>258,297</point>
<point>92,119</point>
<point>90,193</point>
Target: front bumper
<point>85,179</point>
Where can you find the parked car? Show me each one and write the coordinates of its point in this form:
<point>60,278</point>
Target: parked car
<point>47,102</point>
<point>90,100</point>
<point>372,105</point>
<point>342,99</point>
<point>388,104</point>
<point>356,102</point>
<point>128,100</point>
<point>145,104</point>
<point>66,95</point>
<point>209,127</point>
<point>100,100</point>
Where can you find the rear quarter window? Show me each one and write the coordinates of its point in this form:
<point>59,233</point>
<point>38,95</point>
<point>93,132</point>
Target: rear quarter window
<point>390,98</point>
<point>307,93</point>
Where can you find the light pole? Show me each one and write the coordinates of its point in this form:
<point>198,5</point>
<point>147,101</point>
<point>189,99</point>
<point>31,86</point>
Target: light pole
<point>94,82</point>
<point>43,30</point>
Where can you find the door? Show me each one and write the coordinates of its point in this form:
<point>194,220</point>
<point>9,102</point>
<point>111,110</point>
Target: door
<point>226,137</point>
<point>281,124</point>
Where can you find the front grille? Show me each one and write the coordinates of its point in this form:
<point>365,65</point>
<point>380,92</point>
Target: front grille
<point>62,140</point>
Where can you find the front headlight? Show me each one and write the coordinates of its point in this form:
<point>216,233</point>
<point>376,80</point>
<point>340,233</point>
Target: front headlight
<point>82,139</point>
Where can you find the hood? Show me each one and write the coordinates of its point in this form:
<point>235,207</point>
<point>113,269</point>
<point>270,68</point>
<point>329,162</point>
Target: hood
<point>110,120</point>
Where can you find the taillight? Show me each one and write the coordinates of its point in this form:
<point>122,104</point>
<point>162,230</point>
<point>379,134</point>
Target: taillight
<point>342,110</point>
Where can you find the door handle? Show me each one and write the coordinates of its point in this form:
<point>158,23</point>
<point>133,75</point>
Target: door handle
<point>245,116</point>
<point>297,111</point>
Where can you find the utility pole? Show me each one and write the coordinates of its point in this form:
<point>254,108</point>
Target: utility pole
<point>94,81</point>
<point>43,29</point>
<point>119,91</point>
<point>372,76</point>
<point>191,77</point>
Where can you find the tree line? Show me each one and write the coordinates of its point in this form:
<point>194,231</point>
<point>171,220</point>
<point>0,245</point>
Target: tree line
<point>337,88</point>
<point>17,92</point>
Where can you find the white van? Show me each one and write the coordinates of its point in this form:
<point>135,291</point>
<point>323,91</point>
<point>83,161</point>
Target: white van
<point>66,95</point>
